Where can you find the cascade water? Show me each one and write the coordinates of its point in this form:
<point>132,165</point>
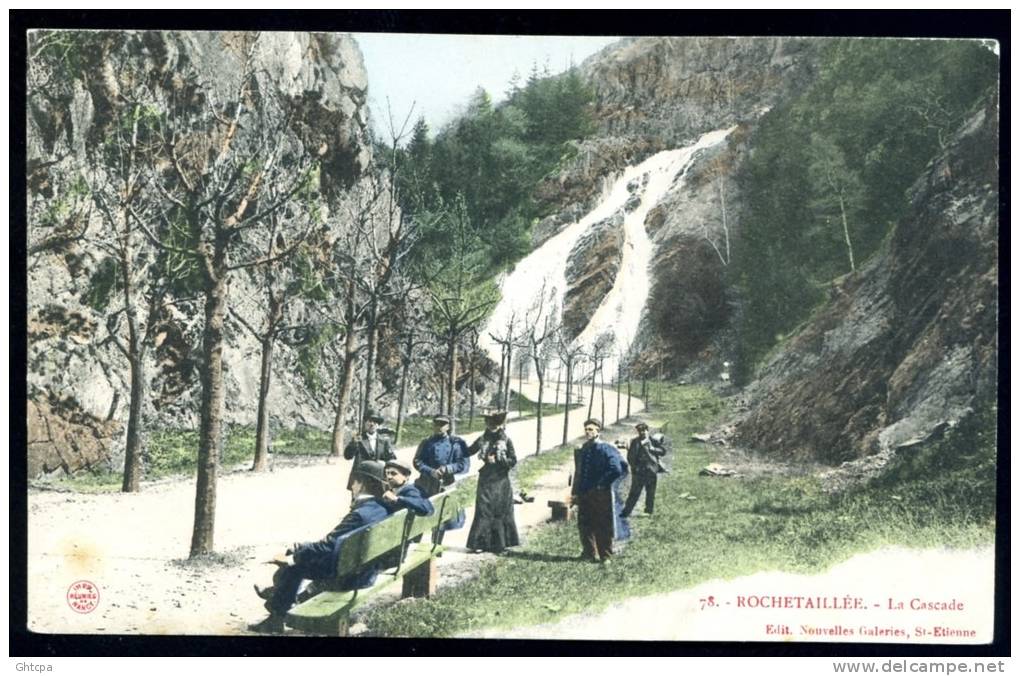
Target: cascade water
<point>544,268</point>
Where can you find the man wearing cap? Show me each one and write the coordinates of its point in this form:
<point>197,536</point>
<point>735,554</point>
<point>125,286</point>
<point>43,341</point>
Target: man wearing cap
<point>401,493</point>
<point>440,458</point>
<point>597,466</point>
<point>493,528</point>
<point>318,560</point>
<point>643,457</point>
<point>371,445</point>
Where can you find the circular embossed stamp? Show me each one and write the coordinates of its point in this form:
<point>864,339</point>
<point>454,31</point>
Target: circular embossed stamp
<point>83,596</point>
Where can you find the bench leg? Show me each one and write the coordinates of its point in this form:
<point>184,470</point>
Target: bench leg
<point>343,626</point>
<point>421,582</point>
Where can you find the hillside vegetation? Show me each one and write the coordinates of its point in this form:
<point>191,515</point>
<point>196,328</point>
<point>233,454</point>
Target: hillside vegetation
<point>829,170</point>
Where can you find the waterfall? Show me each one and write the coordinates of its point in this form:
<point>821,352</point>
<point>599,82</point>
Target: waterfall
<point>544,268</point>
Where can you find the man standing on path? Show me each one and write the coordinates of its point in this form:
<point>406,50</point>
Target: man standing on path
<point>440,458</point>
<point>371,445</point>
<point>643,457</point>
<point>597,466</point>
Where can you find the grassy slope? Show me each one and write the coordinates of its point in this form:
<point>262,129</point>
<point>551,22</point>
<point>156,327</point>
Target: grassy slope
<point>733,527</point>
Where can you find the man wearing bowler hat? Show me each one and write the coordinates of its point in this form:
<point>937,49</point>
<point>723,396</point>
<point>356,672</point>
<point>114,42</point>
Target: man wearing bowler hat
<point>371,445</point>
<point>318,560</point>
<point>597,467</point>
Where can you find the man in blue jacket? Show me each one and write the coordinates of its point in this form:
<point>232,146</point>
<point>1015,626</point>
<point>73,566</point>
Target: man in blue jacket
<point>402,494</point>
<point>318,560</point>
<point>439,459</point>
<point>597,466</point>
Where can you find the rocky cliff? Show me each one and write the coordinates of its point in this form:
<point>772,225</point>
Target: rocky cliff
<point>657,93</point>
<point>76,377</point>
<point>908,345</point>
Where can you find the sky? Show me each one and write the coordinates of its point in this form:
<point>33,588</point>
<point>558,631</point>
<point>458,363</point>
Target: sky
<point>438,73</point>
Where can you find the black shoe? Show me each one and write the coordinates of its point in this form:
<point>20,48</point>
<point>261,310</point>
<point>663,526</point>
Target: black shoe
<point>527,498</point>
<point>271,625</point>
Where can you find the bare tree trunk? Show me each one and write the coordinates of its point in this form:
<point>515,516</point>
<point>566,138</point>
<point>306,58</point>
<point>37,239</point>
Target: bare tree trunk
<point>540,373</point>
<point>442,392</point>
<point>502,370</point>
<point>628,393</point>
<point>725,227</point>
<point>262,417</point>
<point>602,391</point>
<point>568,399</point>
<point>373,342</point>
<point>404,371</point>
<point>619,367</point>
<point>520,389</point>
<point>846,234</point>
<point>452,397</point>
<point>133,455</point>
<point>591,397</point>
<point>471,384</point>
<point>211,425</point>
<point>509,372</point>
<point>133,452</point>
<point>556,396</point>
<point>359,411</point>
<point>346,381</point>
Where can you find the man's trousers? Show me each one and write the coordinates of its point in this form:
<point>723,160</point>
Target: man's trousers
<point>595,523</point>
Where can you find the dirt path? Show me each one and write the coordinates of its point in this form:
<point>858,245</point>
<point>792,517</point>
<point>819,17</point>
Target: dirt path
<point>134,547</point>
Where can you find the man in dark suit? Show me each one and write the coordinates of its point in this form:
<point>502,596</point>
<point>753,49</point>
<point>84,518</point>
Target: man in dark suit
<point>318,560</point>
<point>371,445</point>
<point>643,457</point>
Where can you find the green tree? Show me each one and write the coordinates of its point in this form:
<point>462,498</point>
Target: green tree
<point>837,189</point>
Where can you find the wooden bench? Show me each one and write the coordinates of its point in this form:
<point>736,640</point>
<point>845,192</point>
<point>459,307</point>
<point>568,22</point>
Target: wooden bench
<point>329,611</point>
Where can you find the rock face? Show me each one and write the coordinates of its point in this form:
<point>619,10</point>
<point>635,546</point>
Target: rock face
<point>652,94</point>
<point>77,378</point>
<point>673,89</point>
<point>907,345</point>
<point>591,270</point>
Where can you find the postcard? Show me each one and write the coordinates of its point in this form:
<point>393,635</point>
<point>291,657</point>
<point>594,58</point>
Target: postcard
<point>434,335</point>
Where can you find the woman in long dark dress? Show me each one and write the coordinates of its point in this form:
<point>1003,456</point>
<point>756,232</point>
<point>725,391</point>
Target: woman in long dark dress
<point>493,528</point>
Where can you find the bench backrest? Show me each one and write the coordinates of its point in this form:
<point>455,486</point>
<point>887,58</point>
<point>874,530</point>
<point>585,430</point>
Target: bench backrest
<point>395,531</point>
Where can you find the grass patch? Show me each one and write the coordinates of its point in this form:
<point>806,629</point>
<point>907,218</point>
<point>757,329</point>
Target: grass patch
<point>733,527</point>
<point>417,427</point>
<point>170,452</point>
<point>530,468</point>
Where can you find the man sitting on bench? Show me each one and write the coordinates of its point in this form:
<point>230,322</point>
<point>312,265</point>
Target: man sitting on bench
<point>318,560</point>
<point>403,494</point>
